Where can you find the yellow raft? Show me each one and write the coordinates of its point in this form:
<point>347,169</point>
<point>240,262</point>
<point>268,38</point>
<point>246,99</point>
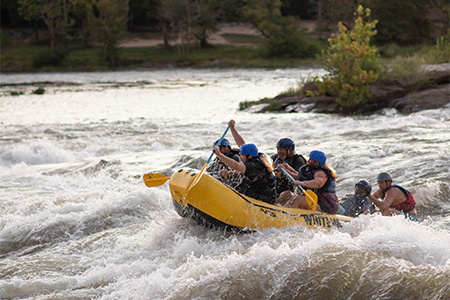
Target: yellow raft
<point>213,204</point>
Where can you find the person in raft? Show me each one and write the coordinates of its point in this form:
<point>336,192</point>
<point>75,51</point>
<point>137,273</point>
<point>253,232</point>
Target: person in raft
<point>317,177</point>
<point>286,155</point>
<point>357,203</point>
<point>258,181</point>
<point>225,149</point>
<point>396,200</point>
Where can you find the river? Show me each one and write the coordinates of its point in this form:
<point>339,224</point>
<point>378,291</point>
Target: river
<point>77,221</point>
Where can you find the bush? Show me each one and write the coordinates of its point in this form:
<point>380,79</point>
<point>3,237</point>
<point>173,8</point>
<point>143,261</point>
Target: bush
<point>351,61</point>
<point>46,58</point>
<point>440,53</point>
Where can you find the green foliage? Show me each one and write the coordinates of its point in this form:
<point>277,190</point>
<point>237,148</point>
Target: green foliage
<point>107,22</point>
<point>440,53</point>
<point>408,22</point>
<point>408,72</point>
<point>351,62</point>
<point>46,58</point>
<point>284,40</point>
<point>39,91</point>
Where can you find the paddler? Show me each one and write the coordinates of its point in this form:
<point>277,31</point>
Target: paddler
<point>258,180</point>
<point>286,155</point>
<point>317,177</point>
<point>225,149</point>
<point>393,199</point>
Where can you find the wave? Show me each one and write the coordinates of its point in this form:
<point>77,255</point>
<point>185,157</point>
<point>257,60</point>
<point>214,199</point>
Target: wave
<point>35,153</point>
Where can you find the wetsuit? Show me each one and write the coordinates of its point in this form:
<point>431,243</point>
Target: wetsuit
<point>326,195</point>
<point>283,183</point>
<point>257,182</point>
<point>354,207</point>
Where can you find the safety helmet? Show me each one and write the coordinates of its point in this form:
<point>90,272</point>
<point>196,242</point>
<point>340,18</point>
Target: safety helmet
<point>384,176</point>
<point>247,149</point>
<point>318,156</point>
<point>224,142</point>
<point>286,143</point>
<point>365,184</point>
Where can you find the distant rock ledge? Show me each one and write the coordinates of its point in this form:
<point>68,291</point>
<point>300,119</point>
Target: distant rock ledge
<point>385,94</point>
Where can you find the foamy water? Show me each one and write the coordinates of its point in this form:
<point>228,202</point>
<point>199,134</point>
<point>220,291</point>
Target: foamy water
<point>77,221</point>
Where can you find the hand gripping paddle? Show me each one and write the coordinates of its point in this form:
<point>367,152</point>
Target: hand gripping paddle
<point>310,196</point>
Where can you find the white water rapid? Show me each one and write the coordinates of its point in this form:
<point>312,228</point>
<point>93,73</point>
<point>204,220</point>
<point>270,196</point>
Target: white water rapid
<point>77,221</point>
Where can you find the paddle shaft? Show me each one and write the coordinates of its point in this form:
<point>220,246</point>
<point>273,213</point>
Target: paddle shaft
<point>209,159</point>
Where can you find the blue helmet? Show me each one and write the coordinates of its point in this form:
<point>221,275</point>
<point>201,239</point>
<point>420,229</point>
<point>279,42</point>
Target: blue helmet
<point>247,149</point>
<point>286,143</point>
<point>318,156</point>
<point>365,184</point>
<point>224,142</point>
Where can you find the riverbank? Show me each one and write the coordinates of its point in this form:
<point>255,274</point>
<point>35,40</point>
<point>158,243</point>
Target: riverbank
<point>231,46</point>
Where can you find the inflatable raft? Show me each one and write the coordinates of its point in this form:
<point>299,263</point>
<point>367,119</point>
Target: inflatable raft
<point>213,204</point>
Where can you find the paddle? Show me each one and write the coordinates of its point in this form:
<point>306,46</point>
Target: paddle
<point>310,196</point>
<point>154,179</point>
<point>207,162</point>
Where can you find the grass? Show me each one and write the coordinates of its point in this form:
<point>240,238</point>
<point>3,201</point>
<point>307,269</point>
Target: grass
<point>252,55</point>
<point>20,58</point>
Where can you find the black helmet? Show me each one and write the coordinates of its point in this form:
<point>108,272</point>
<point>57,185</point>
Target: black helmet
<point>286,143</point>
<point>384,176</point>
<point>365,184</point>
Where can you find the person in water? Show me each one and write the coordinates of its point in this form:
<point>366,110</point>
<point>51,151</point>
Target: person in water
<point>225,149</point>
<point>286,155</point>
<point>357,203</point>
<point>314,176</point>
<point>257,181</point>
<point>396,200</point>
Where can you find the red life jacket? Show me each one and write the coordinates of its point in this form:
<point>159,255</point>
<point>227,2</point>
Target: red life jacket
<point>407,205</point>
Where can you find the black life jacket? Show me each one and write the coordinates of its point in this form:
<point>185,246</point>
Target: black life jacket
<point>306,172</point>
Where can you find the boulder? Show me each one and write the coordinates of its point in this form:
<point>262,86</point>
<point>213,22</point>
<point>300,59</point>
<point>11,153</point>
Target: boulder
<point>427,99</point>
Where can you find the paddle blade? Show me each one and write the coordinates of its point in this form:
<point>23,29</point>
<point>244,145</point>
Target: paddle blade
<point>311,198</point>
<point>154,179</point>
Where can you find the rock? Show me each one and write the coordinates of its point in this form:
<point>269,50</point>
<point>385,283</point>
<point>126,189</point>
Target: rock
<point>426,99</point>
<point>438,73</point>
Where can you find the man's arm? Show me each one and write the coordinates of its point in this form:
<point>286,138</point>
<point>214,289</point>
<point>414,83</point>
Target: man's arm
<point>384,205</point>
<point>320,178</point>
<point>236,136</point>
<point>238,166</point>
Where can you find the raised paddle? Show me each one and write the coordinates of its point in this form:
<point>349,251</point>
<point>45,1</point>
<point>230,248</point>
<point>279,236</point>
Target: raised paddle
<point>310,196</point>
<point>197,179</point>
<point>154,179</point>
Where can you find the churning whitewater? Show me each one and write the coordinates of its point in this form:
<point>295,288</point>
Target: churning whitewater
<point>78,222</point>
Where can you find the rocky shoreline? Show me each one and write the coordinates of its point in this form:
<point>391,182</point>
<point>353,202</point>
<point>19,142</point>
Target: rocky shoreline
<point>385,94</point>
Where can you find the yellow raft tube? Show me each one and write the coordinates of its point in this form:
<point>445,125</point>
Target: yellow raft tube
<point>213,204</point>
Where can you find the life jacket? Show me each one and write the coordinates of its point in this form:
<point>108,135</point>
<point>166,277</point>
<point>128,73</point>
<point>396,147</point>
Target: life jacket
<point>267,161</point>
<point>261,186</point>
<point>307,172</point>
<point>283,183</point>
<point>294,160</point>
<point>409,204</point>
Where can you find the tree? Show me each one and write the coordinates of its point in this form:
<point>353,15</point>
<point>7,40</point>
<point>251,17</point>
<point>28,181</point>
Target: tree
<point>284,39</point>
<point>188,19</point>
<point>409,22</point>
<point>351,62</point>
<point>107,23</point>
<point>54,13</point>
